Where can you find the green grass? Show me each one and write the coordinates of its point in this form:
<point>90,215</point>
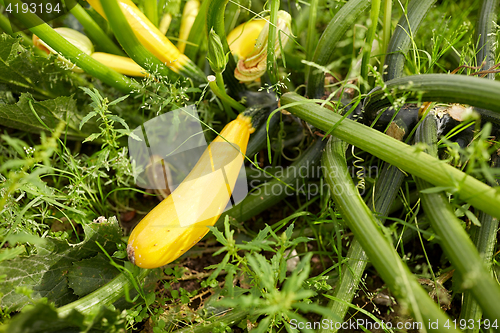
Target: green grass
<point>380,231</point>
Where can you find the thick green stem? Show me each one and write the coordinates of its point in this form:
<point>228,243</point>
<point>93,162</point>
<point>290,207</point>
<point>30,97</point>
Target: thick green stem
<point>486,35</point>
<point>95,32</point>
<point>106,295</point>
<point>370,36</point>
<point>484,238</point>
<point>402,38</point>
<point>399,154</point>
<point>272,65</point>
<point>151,11</point>
<point>438,88</point>
<point>454,240</point>
<point>215,20</point>
<point>323,55</point>
<point>381,253</point>
<point>73,54</point>
<point>386,34</point>
<point>130,43</point>
<point>386,190</point>
<point>312,38</point>
<point>225,98</point>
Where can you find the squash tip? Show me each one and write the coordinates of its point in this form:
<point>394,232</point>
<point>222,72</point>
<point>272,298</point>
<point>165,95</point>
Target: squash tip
<point>131,253</point>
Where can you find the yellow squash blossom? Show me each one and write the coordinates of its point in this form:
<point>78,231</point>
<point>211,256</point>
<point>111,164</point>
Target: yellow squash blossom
<point>254,64</point>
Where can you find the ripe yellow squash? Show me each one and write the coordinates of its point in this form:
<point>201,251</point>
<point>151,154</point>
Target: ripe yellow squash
<point>181,220</point>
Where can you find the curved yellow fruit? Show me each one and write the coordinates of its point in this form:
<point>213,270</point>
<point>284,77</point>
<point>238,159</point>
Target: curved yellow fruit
<point>242,39</point>
<point>120,64</point>
<point>181,220</point>
<point>189,14</point>
<point>149,35</point>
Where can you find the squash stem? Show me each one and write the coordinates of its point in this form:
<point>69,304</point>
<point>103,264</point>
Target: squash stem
<point>225,98</point>
<point>106,295</point>
<point>73,54</point>
<point>95,32</point>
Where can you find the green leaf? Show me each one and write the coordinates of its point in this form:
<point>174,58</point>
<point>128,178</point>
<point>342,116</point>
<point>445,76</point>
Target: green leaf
<point>118,100</point>
<point>22,71</point>
<point>8,253</point>
<point>46,273</point>
<point>89,274</point>
<point>218,235</point>
<point>50,112</point>
<point>87,118</point>
<point>92,137</point>
<point>118,119</point>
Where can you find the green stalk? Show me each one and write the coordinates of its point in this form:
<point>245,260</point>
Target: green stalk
<point>485,33</point>
<point>106,295</point>
<point>439,88</point>
<point>5,25</point>
<point>215,20</point>
<point>151,11</point>
<point>95,32</point>
<point>386,34</point>
<point>370,36</point>
<point>272,65</point>
<point>484,238</point>
<point>454,241</point>
<point>323,55</point>
<point>386,190</point>
<point>397,153</point>
<point>130,43</point>
<point>402,38</point>
<point>73,54</point>
<point>197,33</point>
<point>311,40</point>
<point>225,98</point>
<point>381,253</point>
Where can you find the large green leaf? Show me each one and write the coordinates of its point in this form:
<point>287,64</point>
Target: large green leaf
<point>23,71</point>
<point>89,274</point>
<point>47,273</point>
<point>50,112</point>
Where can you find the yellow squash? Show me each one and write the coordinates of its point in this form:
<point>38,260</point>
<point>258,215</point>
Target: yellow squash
<point>189,14</point>
<point>123,65</point>
<point>181,220</point>
<point>149,35</point>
